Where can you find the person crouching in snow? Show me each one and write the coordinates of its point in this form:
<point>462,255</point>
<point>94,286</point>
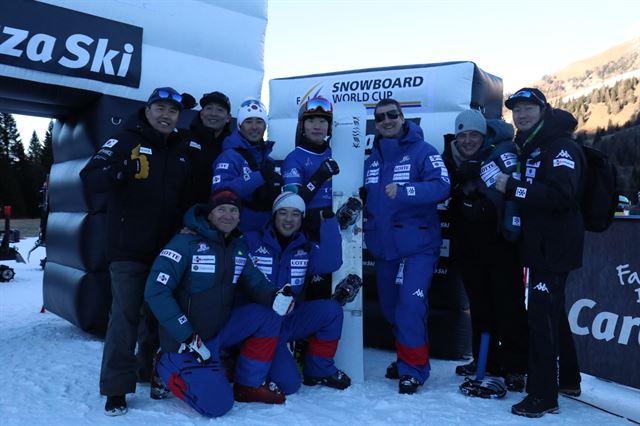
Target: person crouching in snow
<point>191,289</point>
<point>285,255</point>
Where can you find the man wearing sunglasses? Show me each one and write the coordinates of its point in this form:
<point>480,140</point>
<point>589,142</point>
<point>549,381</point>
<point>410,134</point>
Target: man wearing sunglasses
<point>144,171</point>
<point>207,131</point>
<point>246,167</point>
<point>548,190</point>
<point>404,180</point>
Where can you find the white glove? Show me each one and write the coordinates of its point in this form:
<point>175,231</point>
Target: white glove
<point>196,347</point>
<point>284,302</point>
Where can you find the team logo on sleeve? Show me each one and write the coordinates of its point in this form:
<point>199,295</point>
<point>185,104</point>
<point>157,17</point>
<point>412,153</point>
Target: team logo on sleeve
<point>162,278</point>
<point>171,255</point>
<point>509,159</point>
<point>182,320</point>
<point>110,143</point>
<point>216,179</point>
<point>436,161</point>
<point>563,159</point>
<point>521,192</point>
<point>411,191</point>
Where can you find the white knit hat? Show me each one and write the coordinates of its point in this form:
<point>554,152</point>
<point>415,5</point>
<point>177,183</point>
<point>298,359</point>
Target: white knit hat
<point>288,199</point>
<point>250,108</point>
<point>471,120</point>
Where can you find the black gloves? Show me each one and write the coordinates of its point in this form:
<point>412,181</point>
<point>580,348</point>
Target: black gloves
<point>195,346</point>
<point>329,167</point>
<point>347,289</point>
<point>348,212</point>
<point>271,178</point>
<point>468,170</point>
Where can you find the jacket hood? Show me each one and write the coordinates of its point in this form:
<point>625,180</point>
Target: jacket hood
<point>412,133</point>
<point>498,131</point>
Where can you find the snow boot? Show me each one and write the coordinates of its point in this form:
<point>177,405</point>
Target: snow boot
<point>514,382</point>
<point>408,385</point>
<point>157,389</point>
<point>116,405</point>
<point>392,371</point>
<point>534,407</point>
<point>338,380</point>
<point>570,390</point>
<point>467,369</point>
<point>268,392</point>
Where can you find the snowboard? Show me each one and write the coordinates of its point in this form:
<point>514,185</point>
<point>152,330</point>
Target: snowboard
<point>347,147</point>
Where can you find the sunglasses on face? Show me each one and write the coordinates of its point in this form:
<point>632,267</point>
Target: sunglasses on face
<point>165,94</point>
<point>318,104</point>
<point>391,115</point>
<point>526,94</point>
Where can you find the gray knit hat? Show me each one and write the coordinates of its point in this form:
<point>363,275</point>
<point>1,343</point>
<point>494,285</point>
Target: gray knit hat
<point>471,120</point>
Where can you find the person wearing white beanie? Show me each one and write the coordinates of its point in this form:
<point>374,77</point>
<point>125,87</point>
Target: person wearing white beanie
<point>286,255</point>
<point>246,167</point>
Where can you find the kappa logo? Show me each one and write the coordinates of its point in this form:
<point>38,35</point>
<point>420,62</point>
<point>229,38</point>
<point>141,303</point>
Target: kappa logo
<point>308,163</point>
<point>405,159</point>
<point>316,279</point>
<point>300,252</point>
<point>541,287</point>
<point>535,153</point>
<point>375,164</point>
<point>262,250</point>
<point>418,293</point>
<point>564,154</point>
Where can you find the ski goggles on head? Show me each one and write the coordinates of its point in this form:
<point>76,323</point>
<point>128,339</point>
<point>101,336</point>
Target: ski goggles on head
<point>165,94</point>
<point>525,95</point>
<point>391,115</point>
<point>318,105</point>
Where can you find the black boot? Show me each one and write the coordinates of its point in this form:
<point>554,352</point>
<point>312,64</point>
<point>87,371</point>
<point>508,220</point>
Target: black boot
<point>338,380</point>
<point>408,385</point>
<point>532,406</point>
<point>570,390</point>
<point>467,369</point>
<point>514,382</point>
<point>116,405</point>
<point>392,371</point>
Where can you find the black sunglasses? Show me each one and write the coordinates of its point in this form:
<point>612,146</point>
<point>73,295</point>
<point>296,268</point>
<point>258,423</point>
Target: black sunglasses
<point>391,115</point>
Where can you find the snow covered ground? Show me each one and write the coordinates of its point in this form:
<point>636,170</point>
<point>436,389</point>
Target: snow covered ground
<point>50,377</point>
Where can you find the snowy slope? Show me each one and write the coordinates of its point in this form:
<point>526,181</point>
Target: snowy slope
<point>50,377</point>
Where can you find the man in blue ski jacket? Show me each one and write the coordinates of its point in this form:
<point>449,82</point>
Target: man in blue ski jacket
<point>404,180</point>
<point>191,290</point>
<point>246,168</point>
<point>285,255</point>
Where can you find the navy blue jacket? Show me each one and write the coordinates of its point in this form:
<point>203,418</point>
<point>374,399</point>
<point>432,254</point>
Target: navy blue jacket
<point>408,224</point>
<point>192,284</point>
<point>301,164</point>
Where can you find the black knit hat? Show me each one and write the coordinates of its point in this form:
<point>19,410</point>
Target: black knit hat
<point>218,98</point>
<point>526,94</point>
<point>223,196</point>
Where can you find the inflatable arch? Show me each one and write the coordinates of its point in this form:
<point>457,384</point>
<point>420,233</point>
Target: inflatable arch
<point>90,65</point>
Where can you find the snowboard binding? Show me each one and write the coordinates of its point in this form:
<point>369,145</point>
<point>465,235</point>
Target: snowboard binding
<point>349,212</point>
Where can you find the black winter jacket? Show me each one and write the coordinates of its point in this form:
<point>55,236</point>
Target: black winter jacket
<point>475,210</point>
<point>143,212</point>
<point>552,174</point>
<point>204,148</point>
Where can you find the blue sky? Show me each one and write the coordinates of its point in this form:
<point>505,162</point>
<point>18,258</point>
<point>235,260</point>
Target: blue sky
<point>519,41</point>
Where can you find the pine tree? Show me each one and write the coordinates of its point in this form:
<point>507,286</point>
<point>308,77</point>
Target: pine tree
<point>47,149</point>
<point>13,162</point>
<point>35,150</point>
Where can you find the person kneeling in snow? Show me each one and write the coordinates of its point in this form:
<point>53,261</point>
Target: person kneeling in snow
<point>285,255</point>
<point>191,289</point>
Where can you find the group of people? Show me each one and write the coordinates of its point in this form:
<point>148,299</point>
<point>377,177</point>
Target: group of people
<point>212,249</point>
<point>515,203</point>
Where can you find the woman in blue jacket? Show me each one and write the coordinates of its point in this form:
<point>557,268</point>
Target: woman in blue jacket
<point>405,178</point>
